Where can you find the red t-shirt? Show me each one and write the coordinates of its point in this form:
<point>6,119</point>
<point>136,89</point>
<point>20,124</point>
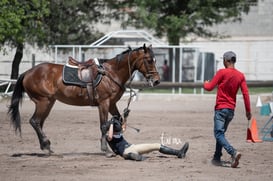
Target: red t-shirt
<point>229,80</point>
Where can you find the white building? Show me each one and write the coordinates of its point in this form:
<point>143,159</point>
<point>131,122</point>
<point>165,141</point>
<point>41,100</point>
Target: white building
<point>251,40</point>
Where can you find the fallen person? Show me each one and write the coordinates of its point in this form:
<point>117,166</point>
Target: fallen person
<point>129,151</point>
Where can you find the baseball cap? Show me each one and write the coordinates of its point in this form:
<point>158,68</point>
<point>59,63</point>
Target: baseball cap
<point>228,55</point>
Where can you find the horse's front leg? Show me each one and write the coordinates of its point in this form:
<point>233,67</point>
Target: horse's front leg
<point>103,113</point>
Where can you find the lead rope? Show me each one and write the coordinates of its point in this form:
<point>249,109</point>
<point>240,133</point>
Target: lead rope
<point>132,92</point>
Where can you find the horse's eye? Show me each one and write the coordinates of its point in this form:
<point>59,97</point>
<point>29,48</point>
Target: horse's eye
<point>150,61</point>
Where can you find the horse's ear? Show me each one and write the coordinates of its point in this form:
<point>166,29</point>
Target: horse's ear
<point>129,48</point>
<point>144,47</point>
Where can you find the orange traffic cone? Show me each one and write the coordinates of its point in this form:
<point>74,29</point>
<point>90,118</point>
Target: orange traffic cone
<point>253,133</point>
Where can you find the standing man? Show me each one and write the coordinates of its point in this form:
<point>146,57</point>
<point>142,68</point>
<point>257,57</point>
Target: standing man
<point>166,70</point>
<point>228,81</point>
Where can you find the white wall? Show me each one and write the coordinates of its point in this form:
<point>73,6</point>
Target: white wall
<point>44,55</point>
<point>254,57</point>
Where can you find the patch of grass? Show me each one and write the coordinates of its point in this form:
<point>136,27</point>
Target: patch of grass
<point>252,90</point>
<point>260,90</point>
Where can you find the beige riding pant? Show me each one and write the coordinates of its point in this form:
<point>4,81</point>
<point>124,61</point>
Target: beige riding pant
<point>142,148</point>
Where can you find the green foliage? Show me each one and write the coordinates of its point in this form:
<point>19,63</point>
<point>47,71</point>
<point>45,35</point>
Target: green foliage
<point>71,22</point>
<point>21,21</point>
<point>252,90</point>
<point>178,18</point>
<point>44,22</point>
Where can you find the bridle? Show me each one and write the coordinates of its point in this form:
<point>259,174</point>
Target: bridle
<point>149,73</point>
<point>132,75</point>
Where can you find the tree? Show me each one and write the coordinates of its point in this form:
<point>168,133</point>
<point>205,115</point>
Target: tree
<point>21,21</point>
<point>177,19</point>
<point>72,22</point>
<point>43,22</point>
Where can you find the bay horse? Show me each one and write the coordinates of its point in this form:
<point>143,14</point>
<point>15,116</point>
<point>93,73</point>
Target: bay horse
<point>44,85</point>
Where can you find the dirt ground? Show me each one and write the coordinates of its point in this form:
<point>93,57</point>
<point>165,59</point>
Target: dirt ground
<point>171,119</point>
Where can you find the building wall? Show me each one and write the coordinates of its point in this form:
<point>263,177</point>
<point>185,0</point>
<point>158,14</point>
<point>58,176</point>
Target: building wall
<point>41,55</point>
<point>251,39</point>
<point>257,23</point>
<point>254,57</point>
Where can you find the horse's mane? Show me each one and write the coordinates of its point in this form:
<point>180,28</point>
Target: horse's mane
<point>120,56</point>
<point>130,49</point>
<point>126,51</point>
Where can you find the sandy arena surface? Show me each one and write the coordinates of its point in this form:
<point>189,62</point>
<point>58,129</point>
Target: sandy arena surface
<point>74,135</point>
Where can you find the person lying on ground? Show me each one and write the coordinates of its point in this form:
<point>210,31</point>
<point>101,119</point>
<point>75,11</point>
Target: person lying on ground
<point>129,151</point>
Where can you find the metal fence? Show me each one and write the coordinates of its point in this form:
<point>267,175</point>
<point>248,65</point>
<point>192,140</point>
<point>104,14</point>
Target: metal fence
<point>191,63</point>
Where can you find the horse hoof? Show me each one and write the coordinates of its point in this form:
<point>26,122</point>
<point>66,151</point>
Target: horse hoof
<point>46,146</point>
<point>47,150</point>
<point>110,154</point>
<point>50,152</point>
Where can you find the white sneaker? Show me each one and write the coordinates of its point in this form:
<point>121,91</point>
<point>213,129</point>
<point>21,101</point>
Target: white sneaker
<point>235,159</point>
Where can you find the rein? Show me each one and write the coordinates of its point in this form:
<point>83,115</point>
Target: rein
<point>110,77</point>
<point>132,75</point>
<point>132,92</point>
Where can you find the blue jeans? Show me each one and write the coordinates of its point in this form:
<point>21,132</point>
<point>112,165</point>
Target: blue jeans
<point>222,118</point>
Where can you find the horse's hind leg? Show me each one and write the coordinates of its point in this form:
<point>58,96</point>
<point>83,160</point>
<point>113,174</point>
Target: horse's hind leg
<point>42,110</point>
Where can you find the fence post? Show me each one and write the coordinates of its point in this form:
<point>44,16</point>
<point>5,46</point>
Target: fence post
<point>83,57</point>
<point>33,60</point>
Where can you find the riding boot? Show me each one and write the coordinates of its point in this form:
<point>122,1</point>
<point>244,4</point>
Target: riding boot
<point>170,151</point>
<point>183,150</point>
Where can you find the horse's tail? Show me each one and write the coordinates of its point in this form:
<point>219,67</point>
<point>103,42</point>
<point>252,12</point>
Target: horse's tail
<point>16,98</point>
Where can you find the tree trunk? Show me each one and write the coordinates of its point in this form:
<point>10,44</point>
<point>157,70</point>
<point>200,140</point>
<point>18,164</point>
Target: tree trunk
<point>16,61</point>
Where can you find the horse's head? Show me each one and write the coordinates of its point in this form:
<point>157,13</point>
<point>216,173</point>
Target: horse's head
<point>145,63</point>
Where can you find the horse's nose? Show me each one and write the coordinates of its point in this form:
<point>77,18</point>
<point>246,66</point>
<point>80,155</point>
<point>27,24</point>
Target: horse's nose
<point>156,82</point>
